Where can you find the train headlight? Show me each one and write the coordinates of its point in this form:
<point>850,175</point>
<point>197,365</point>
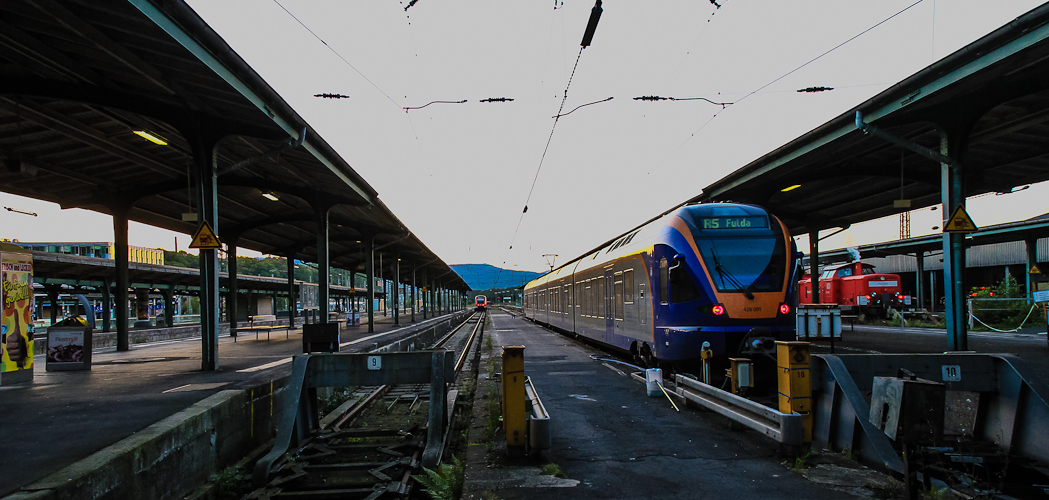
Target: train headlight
<point>784,308</point>
<point>718,309</point>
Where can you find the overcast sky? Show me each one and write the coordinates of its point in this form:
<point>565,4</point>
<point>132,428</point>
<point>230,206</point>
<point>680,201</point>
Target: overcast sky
<point>459,175</point>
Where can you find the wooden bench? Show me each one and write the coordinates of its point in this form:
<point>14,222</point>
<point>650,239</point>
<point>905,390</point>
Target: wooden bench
<point>264,323</point>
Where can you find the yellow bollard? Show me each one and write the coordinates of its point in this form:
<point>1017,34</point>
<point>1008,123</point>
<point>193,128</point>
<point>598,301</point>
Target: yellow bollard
<point>514,417</point>
<point>795,382</point>
<point>741,371</point>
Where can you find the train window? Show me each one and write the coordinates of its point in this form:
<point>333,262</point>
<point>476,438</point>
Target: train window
<point>617,299</point>
<point>664,281</point>
<point>682,287</point>
<point>578,296</point>
<point>628,286</point>
<point>845,271</point>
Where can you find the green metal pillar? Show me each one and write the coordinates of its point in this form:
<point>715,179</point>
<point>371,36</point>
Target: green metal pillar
<point>414,304</point>
<point>814,264</point>
<point>233,295</point>
<point>397,290</point>
<point>369,301</point>
<point>323,264</point>
<point>123,278</point>
<point>208,210</point>
<point>107,305</point>
<point>293,308</point>
<point>169,306</point>
<point>1032,259</point>
<point>951,193</point>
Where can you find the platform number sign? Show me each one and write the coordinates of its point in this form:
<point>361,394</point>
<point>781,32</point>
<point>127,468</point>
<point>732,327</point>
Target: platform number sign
<point>374,362</point>
<point>952,373</point>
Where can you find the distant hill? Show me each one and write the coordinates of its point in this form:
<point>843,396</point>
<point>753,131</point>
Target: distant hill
<point>485,276</point>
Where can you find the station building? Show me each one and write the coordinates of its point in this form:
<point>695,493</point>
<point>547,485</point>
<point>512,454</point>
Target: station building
<point>102,250</point>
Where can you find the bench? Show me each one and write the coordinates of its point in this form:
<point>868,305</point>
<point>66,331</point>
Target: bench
<point>263,323</point>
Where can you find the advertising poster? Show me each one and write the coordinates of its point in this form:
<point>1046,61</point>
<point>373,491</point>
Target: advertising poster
<point>65,346</point>
<point>16,271</point>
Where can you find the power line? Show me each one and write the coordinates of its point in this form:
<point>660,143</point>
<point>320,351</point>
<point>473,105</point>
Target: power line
<point>759,89</point>
<point>315,35</point>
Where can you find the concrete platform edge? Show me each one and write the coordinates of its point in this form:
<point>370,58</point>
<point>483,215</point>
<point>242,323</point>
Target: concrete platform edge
<point>170,458</point>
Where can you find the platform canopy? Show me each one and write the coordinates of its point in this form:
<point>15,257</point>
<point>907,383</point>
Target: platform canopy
<point>78,78</point>
<point>992,94</point>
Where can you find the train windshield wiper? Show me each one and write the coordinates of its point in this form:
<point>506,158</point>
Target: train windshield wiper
<point>724,273</point>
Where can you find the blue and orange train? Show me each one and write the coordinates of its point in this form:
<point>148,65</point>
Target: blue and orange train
<point>721,274</point>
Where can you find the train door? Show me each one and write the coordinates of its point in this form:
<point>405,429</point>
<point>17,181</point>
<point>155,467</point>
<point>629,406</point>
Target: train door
<point>642,304</point>
<point>610,322</point>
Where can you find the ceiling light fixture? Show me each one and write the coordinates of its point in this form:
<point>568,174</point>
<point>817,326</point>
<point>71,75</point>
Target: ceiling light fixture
<point>151,137</point>
<point>269,196</point>
<point>790,188</point>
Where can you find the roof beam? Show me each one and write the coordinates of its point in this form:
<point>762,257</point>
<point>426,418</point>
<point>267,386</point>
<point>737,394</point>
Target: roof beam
<point>202,53</point>
<point>85,134</point>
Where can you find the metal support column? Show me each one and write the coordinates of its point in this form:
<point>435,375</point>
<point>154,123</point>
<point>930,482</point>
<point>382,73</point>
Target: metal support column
<point>169,307</point>
<point>107,305</point>
<point>952,196</point>
<point>919,288</point>
<point>233,295</point>
<point>814,264</point>
<point>120,255</point>
<point>369,301</point>
<point>323,264</point>
<point>204,158</point>
<point>397,291</point>
<point>293,309</point>
<point>1032,259</point>
<point>415,305</point>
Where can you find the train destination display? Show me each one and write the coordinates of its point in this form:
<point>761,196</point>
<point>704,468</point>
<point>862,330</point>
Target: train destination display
<point>734,222</point>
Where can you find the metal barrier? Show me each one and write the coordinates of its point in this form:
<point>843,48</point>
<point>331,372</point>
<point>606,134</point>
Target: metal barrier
<point>299,419</point>
<point>525,419</point>
<point>785,428</point>
<point>1013,413</point>
<point>538,420</point>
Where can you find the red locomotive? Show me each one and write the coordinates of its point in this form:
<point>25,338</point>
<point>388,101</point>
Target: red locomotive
<point>856,288</point>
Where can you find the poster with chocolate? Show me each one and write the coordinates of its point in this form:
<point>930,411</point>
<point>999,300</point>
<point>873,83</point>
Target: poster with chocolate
<point>16,280</point>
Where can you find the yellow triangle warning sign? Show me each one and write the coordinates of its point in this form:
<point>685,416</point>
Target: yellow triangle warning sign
<point>205,238</point>
<point>1034,269</point>
<point>960,222</point>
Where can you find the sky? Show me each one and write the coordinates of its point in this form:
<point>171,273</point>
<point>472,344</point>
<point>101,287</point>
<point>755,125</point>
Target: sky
<point>459,175</point>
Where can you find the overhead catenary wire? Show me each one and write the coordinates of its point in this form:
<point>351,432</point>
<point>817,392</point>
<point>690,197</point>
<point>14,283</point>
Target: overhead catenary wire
<point>337,54</point>
<point>763,87</point>
<point>581,106</point>
<point>434,102</point>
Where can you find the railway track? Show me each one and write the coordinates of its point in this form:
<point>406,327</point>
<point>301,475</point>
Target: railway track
<point>371,444</point>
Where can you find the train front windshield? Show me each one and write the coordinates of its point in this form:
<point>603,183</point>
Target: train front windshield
<point>751,263</point>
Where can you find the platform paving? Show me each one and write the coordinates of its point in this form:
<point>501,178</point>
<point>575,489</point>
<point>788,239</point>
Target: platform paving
<point>611,440</point>
<point>62,417</point>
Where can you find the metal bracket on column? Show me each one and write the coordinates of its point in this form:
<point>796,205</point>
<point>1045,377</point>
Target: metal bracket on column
<point>291,143</point>
<point>901,142</point>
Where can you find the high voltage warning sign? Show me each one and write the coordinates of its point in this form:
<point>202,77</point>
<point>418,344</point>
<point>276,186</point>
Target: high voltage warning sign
<point>205,238</point>
<point>960,222</point>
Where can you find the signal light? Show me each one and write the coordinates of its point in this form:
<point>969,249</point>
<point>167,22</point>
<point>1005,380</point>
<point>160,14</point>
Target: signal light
<point>784,308</point>
<point>718,309</point>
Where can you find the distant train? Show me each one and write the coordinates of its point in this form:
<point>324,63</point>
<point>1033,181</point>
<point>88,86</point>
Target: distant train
<point>717,273</point>
<point>856,288</point>
<point>481,302</point>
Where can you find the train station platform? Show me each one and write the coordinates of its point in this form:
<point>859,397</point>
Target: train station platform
<point>611,440</point>
<point>63,422</point>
